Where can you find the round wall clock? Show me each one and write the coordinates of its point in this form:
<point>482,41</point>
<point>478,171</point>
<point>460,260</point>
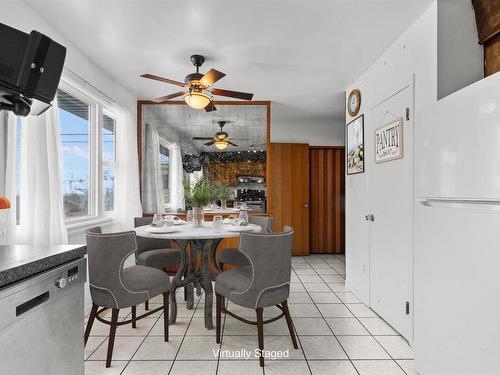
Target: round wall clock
<point>354,102</point>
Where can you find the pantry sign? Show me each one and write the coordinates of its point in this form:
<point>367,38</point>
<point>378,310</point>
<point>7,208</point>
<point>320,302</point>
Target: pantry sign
<point>389,141</point>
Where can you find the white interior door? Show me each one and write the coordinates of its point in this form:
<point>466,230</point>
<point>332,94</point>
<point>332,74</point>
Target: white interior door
<point>358,235</point>
<point>391,204</point>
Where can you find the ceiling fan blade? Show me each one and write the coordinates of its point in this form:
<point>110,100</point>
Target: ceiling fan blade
<point>233,94</point>
<point>210,107</point>
<point>211,77</point>
<point>166,97</point>
<point>202,138</point>
<point>166,80</point>
<point>209,143</point>
<point>232,144</point>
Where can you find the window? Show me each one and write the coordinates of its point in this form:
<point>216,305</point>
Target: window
<point>108,161</point>
<point>87,131</point>
<point>74,125</point>
<point>165,171</point>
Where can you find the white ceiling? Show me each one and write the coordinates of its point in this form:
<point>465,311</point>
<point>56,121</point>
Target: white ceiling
<point>299,54</point>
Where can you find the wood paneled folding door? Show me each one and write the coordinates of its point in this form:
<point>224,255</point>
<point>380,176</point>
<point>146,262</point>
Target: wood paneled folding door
<point>327,192</point>
<point>288,195</point>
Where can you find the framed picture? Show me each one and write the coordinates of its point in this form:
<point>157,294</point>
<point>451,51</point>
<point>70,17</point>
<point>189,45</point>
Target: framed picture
<point>355,150</point>
<point>389,141</point>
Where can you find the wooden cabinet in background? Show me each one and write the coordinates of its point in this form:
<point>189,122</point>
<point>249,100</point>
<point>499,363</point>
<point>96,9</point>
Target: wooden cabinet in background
<point>226,174</point>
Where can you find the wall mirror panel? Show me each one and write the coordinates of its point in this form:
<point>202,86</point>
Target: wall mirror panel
<point>227,146</point>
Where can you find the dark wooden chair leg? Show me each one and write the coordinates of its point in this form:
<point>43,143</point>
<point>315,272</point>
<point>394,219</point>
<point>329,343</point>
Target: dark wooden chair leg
<point>90,322</point>
<point>146,305</point>
<point>134,315</point>
<point>112,333</point>
<point>290,324</point>
<point>260,331</point>
<point>218,317</point>
<point>166,315</point>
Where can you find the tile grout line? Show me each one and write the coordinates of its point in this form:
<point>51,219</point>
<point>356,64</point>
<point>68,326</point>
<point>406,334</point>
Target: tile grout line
<point>223,324</point>
<point>331,330</point>
<point>185,333</point>
<point>102,342</point>
<point>389,354</point>
<point>144,339</point>
<point>360,322</point>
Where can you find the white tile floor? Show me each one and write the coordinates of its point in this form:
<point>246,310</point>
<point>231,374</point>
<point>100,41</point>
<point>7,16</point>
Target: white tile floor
<point>337,335</point>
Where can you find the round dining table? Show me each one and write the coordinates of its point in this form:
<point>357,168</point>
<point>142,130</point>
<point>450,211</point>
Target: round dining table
<point>202,240</point>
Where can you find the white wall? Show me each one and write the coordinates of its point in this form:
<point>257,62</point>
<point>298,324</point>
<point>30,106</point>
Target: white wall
<point>415,52</point>
<point>316,134</point>
<point>17,14</point>
<point>441,50</point>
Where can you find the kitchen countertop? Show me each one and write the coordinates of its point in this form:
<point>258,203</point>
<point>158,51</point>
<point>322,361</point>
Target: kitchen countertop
<point>18,262</point>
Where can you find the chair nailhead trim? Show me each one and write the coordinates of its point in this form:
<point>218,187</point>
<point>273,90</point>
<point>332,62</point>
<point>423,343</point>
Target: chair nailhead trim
<point>120,276</point>
<point>269,287</point>
<point>107,290</point>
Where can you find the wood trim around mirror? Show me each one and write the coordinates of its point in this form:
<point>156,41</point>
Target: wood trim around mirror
<point>266,103</point>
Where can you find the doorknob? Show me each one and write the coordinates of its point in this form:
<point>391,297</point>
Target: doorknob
<point>306,205</point>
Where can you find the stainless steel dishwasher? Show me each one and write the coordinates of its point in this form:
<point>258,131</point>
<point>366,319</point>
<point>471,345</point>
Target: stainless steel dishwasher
<point>41,323</point>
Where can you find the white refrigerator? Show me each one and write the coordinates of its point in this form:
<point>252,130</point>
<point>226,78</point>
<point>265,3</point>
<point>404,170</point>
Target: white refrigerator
<point>457,233</point>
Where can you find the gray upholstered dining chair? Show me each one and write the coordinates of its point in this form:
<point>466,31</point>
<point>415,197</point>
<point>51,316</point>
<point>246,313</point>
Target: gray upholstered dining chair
<point>114,287</point>
<point>263,283</point>
<point>153,252</point>
<point>235,257</point>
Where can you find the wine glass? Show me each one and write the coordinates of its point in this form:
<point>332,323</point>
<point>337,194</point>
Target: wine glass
<point>217,222</point>
<point>157,220</point>
<point>189,216</point>
<point>243,216</point>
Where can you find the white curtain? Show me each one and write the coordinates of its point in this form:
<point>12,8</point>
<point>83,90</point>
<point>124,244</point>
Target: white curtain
<point>176,176</point>
<point>152,184</point>
<point>8,188</point>
<point>127,192</point>
<point>41,196</point>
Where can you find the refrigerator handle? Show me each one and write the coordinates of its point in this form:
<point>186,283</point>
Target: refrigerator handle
<point>491,204</point>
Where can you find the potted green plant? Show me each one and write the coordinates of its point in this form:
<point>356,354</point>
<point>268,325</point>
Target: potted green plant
<point>224,193</point>
<point>198,196</point>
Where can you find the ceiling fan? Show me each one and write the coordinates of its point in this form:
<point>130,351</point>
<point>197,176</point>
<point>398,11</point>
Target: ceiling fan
<point>220,140</point>
<point>198,94</point>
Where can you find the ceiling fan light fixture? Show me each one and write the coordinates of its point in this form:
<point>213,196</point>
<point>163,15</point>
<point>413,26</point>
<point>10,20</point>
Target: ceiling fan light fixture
<point>221,145</point>
<point>197,99</point>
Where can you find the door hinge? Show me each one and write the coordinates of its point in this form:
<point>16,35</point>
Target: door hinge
<point>407,114</point>
<point>407,308</point>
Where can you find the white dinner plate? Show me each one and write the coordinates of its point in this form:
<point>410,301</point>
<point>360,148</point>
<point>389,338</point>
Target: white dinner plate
<point>163,229</point>
<point>239,228</point>
<point>180,222</point>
